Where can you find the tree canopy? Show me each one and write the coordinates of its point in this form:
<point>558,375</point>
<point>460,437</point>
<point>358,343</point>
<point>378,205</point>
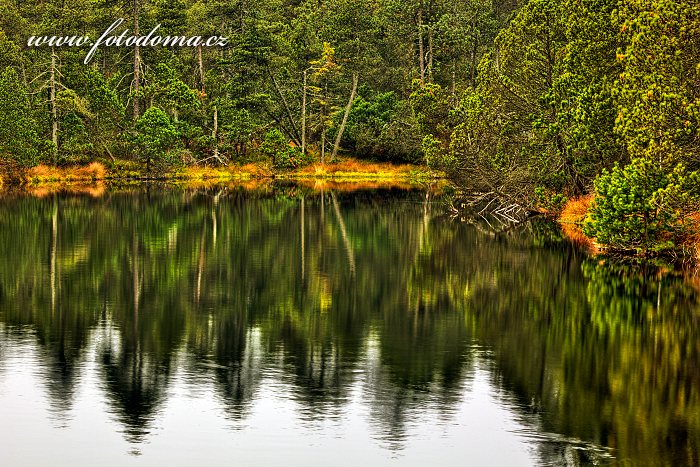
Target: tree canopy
<point>530,100</point>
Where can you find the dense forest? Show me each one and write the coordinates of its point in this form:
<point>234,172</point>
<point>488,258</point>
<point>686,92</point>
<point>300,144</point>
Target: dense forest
<point>291,72</point>
<point>534,102</point>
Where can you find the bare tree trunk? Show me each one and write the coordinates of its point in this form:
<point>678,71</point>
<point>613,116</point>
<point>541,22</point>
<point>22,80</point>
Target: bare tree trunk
<point>323,136</point>
<point>345,116</point>
<point>215,133</point>
<point>344,235</point>
<point>137,63</point>
<point>430,55</point>
<point>201,66</point>
<point>52,259</point>
<point>472,66</point>
<point>498,59</point>
<point>294,133</point>
<point>52,100</point>
<point>24,75</point>
<point>421,52</point>
<point>303,118</point>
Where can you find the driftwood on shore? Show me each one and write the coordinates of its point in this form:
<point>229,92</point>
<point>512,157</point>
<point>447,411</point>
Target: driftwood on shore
<point>497,211</point>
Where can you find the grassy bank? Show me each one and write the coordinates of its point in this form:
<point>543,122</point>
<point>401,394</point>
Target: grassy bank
<point>353,169</point>
<point>576,210</point>
<point>347,170</point>
<point>571,219</point>
<point>129,171</point>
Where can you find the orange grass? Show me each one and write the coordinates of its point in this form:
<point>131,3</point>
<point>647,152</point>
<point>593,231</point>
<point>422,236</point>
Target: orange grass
<point>221,173</point>
<point>201,173</point>
<point>256,170</point>
<point>44,173</point>
<point>571,219</point>
<point>354,167</point>
<point>94,171</point>
<point>576,209</point>
<point>47,189</point>
<point>347,168</point>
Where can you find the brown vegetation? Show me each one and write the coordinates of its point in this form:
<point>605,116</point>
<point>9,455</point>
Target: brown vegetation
<point>691,240</point>
<point>571,219</point>
<point>356,168</point>
<point>576,209</point>
<point>43,190</point>
<point>43,173</point>
<point>230,172</point>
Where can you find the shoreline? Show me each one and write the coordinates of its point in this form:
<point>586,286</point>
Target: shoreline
<point>685,258</point>
<point>349,170</point>
<point>95,179</point>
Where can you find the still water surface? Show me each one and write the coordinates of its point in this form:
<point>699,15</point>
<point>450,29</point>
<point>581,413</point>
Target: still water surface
<point>289,326</point>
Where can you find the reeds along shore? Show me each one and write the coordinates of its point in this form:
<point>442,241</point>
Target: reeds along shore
<point>576,210</point>
<point>347,169</point>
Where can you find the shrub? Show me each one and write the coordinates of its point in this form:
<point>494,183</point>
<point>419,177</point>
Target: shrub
<point>283,155</point>
<point>380,127</point>
<point>641,206</point>
<point>156,137</point>
<point>549,200</point>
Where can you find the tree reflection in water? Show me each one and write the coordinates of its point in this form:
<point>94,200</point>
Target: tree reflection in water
<point>336,296</point>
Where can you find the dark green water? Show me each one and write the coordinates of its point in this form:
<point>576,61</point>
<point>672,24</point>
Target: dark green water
<point>288,327</point>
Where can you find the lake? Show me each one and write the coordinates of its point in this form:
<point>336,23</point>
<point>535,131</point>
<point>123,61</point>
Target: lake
<point>305,326</point>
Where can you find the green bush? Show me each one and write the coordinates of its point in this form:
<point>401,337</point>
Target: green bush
<point>283,155</point>
<point>156,138</point>
<point>549,200</point>
<point>380,127</point>
<point>642,206</point>
<point>76,147</point>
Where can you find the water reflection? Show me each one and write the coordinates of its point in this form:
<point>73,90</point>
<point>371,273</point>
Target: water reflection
<point>367,323</point>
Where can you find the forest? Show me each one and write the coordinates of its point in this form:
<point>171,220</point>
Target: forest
<point>590,105</point>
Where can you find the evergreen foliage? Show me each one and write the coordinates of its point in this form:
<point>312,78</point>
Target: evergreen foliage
<point>642,206</point>
<point>18,137</point>
<point>531,100</point>
<point>155,139</point>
